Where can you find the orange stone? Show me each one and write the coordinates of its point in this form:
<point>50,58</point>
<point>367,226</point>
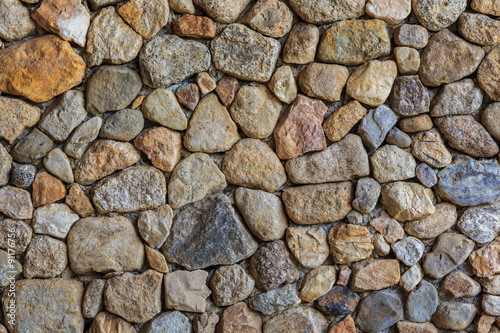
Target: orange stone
<point>194,26</point>
<point>227,87</point>
<point>47,189</point>
<point>188,95</point>
<point>40,68</point>
<point>486,261</point>
<point>79,202</point>
<point>389,228</point>
<point>345,326</point>
<point>162,145</point>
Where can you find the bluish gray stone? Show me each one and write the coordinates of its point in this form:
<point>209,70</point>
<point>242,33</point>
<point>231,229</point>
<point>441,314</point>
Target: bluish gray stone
<point>398,138</point>
<point>123,125</point>
<point>367,194</point>
<point>379,311</point>
<point>168,322</point>
<point>32,147</point>
<point>422,303</point>
<point>375,126</point>
<point>426,175</point>
<point>275,300</point>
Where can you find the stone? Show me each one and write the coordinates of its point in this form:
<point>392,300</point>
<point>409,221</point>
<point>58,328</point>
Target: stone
<point>173,321</point>
<point>390,163</point>
<point>276,300</point>
<point>486,7</point>
<point>10,269</point>
<point>344,160</point>
<point>53,69</point>
<point>112,88</point>
<point>244,53</point>
<point>301,44</point>
<point>96,4</point>
<point>194,26</point>
<point>47,189</point>
<point>156,260</point>
<point>320,12</point>
<point>481,223</point>
<point>104,244</point>
<point>84,134</point>
<point>435,224</point>
<point>438,14</point>
<point>490,118</point>
<point>485,261</point>
<point>449,251</point>
<point>429,147</point>
<point>253,164</point>
<point>54,220</point>
<point>256,110</point>
<point>93,302</point>
<point>188,95</point>
<point>58,164</point>
<point>354,42</point>
<point>407,59</point>
<point>491,284</point>
<point>347,325</point>
<point>226,89</point>
<point>78,200</point>
<point>123,125</point>
<point>206,322</point>
<point>308,245</point>
<point>270,17</point>
<point>484,324</point>
<point>344,275</point>
<point>409,250</point>
<point>398,138</point>
<point>193,179</point>
<point>137,305</point>
<point>161,145</point>
<point>374,274</point>
<point>168,59</point>
<point>435,67</point>
<point>457,284</point>
<point>32,147</point>
<point>15,203</point>
<point>68,19</point>
<point>410,327</point>
<point>21,232</point>
<point>340,300</point>
<point>263,213</point>
<point>453,315</point>
<point>381,246</point>
<point>154,225</point>
<point>379,311</point>
<point>222,11</point>
<point>186,291</point>
<point>488,72</point>
<point>411,35</point>
<point>211,128</point>
<point>349,243</point>
<point>479,29</point>
<point>182,6</point>
<point>323,81</point>
<point>469,182</point>
<point>389,228</point>
<point>411,278</point>
<point>375,126</point>
<point>208,233</point>
<point>296,319</point>
<point>339,123</point>
<point>422,303</point>
<point>110,40</point>
<point>409,96</point>
<point>133,189</point>
<point>239,318</point>
<point>426,175</point>
<point>271,266</point>
<point>162,107</point>
<point>315,204</point>
<point>105,322</point>
<point>60,300</point>
<point>392,12</point>
<point>230,285</point>
<point>5,166</point>
<point>15,116</point>
<point>145,17</point>
<point>371,82</point>
<point>16,21</point>
<point>317,282</point>
<point>46,257</point>
<point>63,115</point>
<point>205,82</point>
<point>407,201</point>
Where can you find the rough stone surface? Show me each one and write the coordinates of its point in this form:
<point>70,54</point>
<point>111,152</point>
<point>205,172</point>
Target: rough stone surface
<point>411,278</point>
<point>276,300</point>
<point>379,311</point>
<point>47,189</point>
<point>188,95</point>
<point>156,260</point>
<point>340,300</point>
<point>390,163</point>
<point>479,29</point>
<point>83,135</point>
<point>374,274</point>
<point>411,35</point>
<point>186,291</point>
<point>93,302</point>
<point>58,164</point>
<point>426,175</point>
<point>454,316</point>
<point>409,250</point>
<point>54,219</point>
<point>78,200</point>
<point>163,147</point>
<point>375,126</point>
<point>46,257</point>
<point>230,285</point>
<point>407,201</point>
<point>435,224</point>
<point>481,223</point>
<point>240,318</point>
<point>32,147</point>
<point>323,81</point>
<point>162,107</point>
<point>347,325</point>
<point>320,12</point>
<point>297,319</point>
<point>367,194</point>
<point>123,125</point>
<point>457,284</point>
<point>486,7</point>
<point>222,11</point>
<point>488,73</point>
<point>145,17</point>
<point>337,125</point>
<point>5,166</point>
<point>173,321</point>
<point>308,245</point>
<point>391,11</point>
<point>407,59</point>
<point>227,87</point>
<point>318,282</point>
<point>349,243</point>
<point>388,227</point>
<point>301,44</point>
<point>105,321</point>
<point>194,26</point>
<point>485,261</point>
<point>438,14</point>
<point>270,17</point>
<point>15,203</point>
<point>15,116</point>
<point>18,23</point>
<point>10,269</point>
<point>409,96</point>
<point>490,118</point>
<point>205,323</point>
<point>154,225</point>
<point>429,147</point>
<point>21,231</point>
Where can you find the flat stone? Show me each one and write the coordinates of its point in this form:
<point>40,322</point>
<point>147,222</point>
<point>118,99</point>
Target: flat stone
<point>435,224</point>
<point>162,107</point>
<point>205,323</point>
<point>317,282</point>
<point>487,74</point>
<point>15,203</point>
<point>485,261</point>
<point>53,68</point>
<point>339,123</point>
<point>205,83</point>
<point>15,116</point>
<point>244,53</point>
<point>137,305</point>
<point>104,244</point>
<point>83,135</point>
<point>32,147</point>
<point>435,67</point>
<point>469,182</point>
<point>144,16</point>
<point>276,300</point>
<point>449,251</point>
<point>354,42</point>
<point>340,300</point>
<point>315,204</point>
<point>392,12</point>
<point>227,87</point>
<point>481,223</point>
<point>110,40</point>
<point>457,284</point>
<point>407,201</point>
<point>323,81</point>
<point>390,163</point>
<point>297,319</point>
<point>93,302</point>
<point>133,189</point>
<point>168,59</point>
<point>263,213</point>
<point>123,125</point>
<point>60,298</point>
<point>208,233</point>
<point>104,321</point>
<point>397,137</point>
<point>174,321</point>
<point>343,160</point>
<point>58,164</point>
<point>490,118</point>
<point>407,59</point>
<point>154,225</point>
<point>223,11</point>
<point>422,303</point>
<point>156,260</point>
<point>349,243</point>
<point>347,325</point>
<point>374,274</point>
<point>438,14</point>
<point>416,124</point>
<point>78,200</point>
<point>253,164</point>
<point>10,269</point>
<point>379,311</point>
<point>320,12</point>
<point>186,291</point>
<point>479,29</point>
<point>486,7</point>
<point>230,285</point>
<point>410,327</point>
<point>301,44</point>
<point>161,145</point>
<point>270,17</point>
<point>409,96</point>
<point>194,26</point>
<point>188,95</point>
<point>54,220</point>
<point>453,315</point>
<point>239,318</point>
<point>429,147</point>
<point>47,189</point>
<point>17,24</point>
<point>390,228</point>
<point>411,35</point>
<point>412,277</point>
<point>46,257</point>
<point>308,245</point>
<point>21,232</point>
<point>375,126</point>
<point>194,178</point>
<point>256,110</point>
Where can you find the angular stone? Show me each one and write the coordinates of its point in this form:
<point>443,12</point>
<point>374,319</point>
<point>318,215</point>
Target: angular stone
<point>411,278</point>
<point>93,302</point>
<point>491,284</point>
<point>123,125</point>
<point>389,228</point>
<point>21,232</point>
<point>485,324</point>
<point>227,87</point>
<point>301,44</point>
<point>46,257</point>
<point>411,35</point>
<point>457,284</point>
<point>297,319</point>
<point>205,323</point>
<point>436,69</point>
<point>162,107</point>
<point>479,29</point>
<point>347,325</point>
<point>485,261</point>
<point>409,96</point>
<point>83,135</point>
<point>317,282</point>
<point>337,125</point>
<point>410,327</point>
<point>78,200</point>
<point>367,194</point>
<point>375,126</point>
<point>186,291</point>
<point>490,118</point>
<point>407,201</point>
<point>354,42</point>
<point>323,81</point>
<point>488,73</point>
<point>454,316</point>
<point>188,95</point>
<point>58,164</point>
<point>239,318</point>
<point>276,300</point>
<point>308,245</point>
<point>173,321</point>
<point>104,244</point>
<point>230,285</point>
<point>208,233</point>
<point>15,203</point>
<point>154,225</point>
<point>5,166</point>
<point>194,26</point>
<point>343,160</point>
<point>407,59</point>
<point>10,269</point>
<point>374,274</point>
<point>47,189</point>
<point>391,163</point>
<point>223,11</point>
<point>133,189</point>
<point>205,82</point>
<point>481,223</point>
<point>349,243</point>
<point>54,219</point>
<point>145,16</point>
<point>15,116</point>
<point>486,7</point>
<point>422,303</point>
<point>429,147</point>
<point>244,53</point>
<point>105,322</point>
<point>320,12</point>
<point>340,300</point>
<point>379,311</point>
<point>156,260</point>
<point>392,12</point>
<point>398,138</point>
<point>435,224</point>
<point>161,145</point>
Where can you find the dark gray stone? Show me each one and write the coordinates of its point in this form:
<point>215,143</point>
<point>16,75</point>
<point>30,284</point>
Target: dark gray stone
<point>168,322</point>
<point>339,301</point>
<point>276,300</point>
<point>123,125</point>
<point>426,175</point>
<point>375,126</point>
<point>454,316</point>
<point>367,194</point>
<point>398,138</point>
<point>379,311</point>
<point>422,303</point>
<point>32,147</point>
<point>23,175</point>
<point>409,96</point>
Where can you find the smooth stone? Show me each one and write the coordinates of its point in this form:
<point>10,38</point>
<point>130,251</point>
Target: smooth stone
<point>161,145</point>
<point>340,300</point>
<point>429,148</point>
<point>422,303</point>
<point>297,319</point>
<point>426,175</point>
<point>270,17</point>
<point>320,11</point>
<point>15,116</point>
<point>230,285</point>
<point>238,318</point>
<point>156,260</point>
<point>411,35</point>
<point>454,316</point>
<point>146,17</point>
<point>374,274</point>
<point>457,284</point>
<point>58,164</point>
<point>435,224</point>
<point>491,284</point>
<point>78,200</point>
<point>96,4</point>
<point>171,322</point>
<point>276,300</point>
<point>221,10</point>
<point>323,81</point>
<point>301,44</point>
<point>491,305</point>
<point>186,291</point>
<point>16,21</point>
<point>46,257</point>
<point>390,163</point>
<point>381,246</point>
<point>409,96</point>
<point>438,14</point>
<point>54,220</point>
<point>488,72</point>
<point>490,118</point>
<point>379,311</point>
<point>283,84</point>
<point>407,59</point>
<point>397,137</point>
<point>47,189</point>
<point>32,147</point>
<point>84,134</point>
<point>123,125</point>
<point>375,125</point>
<point>407,201</point>
<point>16,203</point>
<point>308,245</point>
<point>481,223</point>
<point>392,12</point>
<point>104,321</point>
<point>416,123</point>
<point>349,243</point>
<point>479,29</point>
<point>317,282</point>
<point>162,107</point>
<point>389,228</point>
<point>339,123</point>
<point>21,232</point>
<point>182,6</point>
<point>154,225</point>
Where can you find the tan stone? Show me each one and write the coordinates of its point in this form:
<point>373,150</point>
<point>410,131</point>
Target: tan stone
<point>317,282</point>
<point>147,17</point>
<point>308,245</point>
<point>194,27</point>
<point>490,7</point>
<point>272,18</point>
<point>486,261</point>
<point>186,291</point>
<point>239,318</point>
<point>156,260</point>
<point>47,189</point>
<point>79,201</point>
<point>429,148</point>
<point>435,224</point>
<point>205,82</point>
<point>230,285</point>
<point>106,322</point>
<point>154,225</point>
<point>93,303</point>
<point>343,120</point>
<point>15,116</point>
<point>162,107</point>
<point>374,274</point>
<point>416,124</point>
<point>15,203</point>
<point>479,29</point>
<point>163,147</point>
<point>389,228</point>
<point>407,59</point>
<point>323,81</point>
<point>349,243</point>
<point>488,74</point>
<point>297,319</point>
<point>301,44</point>
<point>222,10</point>
<point>54,219</point>
<point>410,327</point>
<point>407,201</point>
<point>412,277</point>
<point>344,275</point>
<point>390,163</point>
<point>205,323</point>
<point>391,11</point>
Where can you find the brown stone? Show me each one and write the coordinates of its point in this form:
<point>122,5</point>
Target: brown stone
<point>479,29</point>
<point>301,44</point>
<point>488,74</point>
<point>205,82</point>
<point>323,81</point>
<point>188,95</point>
<point>344,275</point>
<point>374,274</point>
<point>79,201</point>
<point>15,116</point>
<point>317,282</point>
<point>345,326</point>
<point>410,327</point>
<point>457,284</point>
<point>47,189</point>
<point>21,230</point>
<point>106,322</point>
<point>429,148</point>
<point>40,68</point>
<point>435,224</point>
<point>490,7</point>
<point>409,96</point>
<point>239,318</point>
<point>205,323</point>
<point>343,120</point>
<point>16,203</point>
<point>389,228</point>
<point>407,59</point>
<point>272,18</point>
<point>226,89</point>
<point>194,26</point>
<point>222,10</point>
<point>416,124</point>
<point>308,245</point>
<point>46,257</point>
<point>156,260</point>
<point>486,261</point>
<point>299,129</point>
<point>92,302</point>
<point>349,243</point>
<point>485,323</point>
<point>146,17</point>
<point>162,145</point>
<point>340,300</point>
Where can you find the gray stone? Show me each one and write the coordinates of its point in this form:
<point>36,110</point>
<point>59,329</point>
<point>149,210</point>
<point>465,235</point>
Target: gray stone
<point>222,10</point>
<point>481,223</point>
<point>46,257</point>
<point>339,301</point>
<point>57,163</point>
<point>93,302</point>
<point>83,135</point>
<point>491,305</point>
<point>169,322</point>
<point>375,126</point>
<point>154,225</point>
<point>208,233</point>
<point>16,21</point>
<point>398,138</point>
<point>230,285</point>
<point>245,54</point>
<point>438,14</point>
<point>133,189</point>
<point>454,316</point>
<point>276,300</point>
<point>470,182</point>
<point>409,250</point>
<point>426,175</point>
<point>123,125</point>
<point>321,11</point>
<point>168,59</point>
<point>422,303</point>
<point>20,230</point>
<point>367,194</point>
<point>54,219</point>
<point>161,106</point>
<point>411,35</point>
<point>15,203</point>
<point>23,175</point>
<point>10,269</point>
<point>409,96</point>
<point>462,97</point>
<point>379,311</point>
<point>5,165</point>
<point>32,147</point>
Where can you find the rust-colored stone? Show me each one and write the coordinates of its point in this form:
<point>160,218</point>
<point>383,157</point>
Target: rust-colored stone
<point>79,202</point>
<point>486,261</point>
<point>345,326</point>
<point>374,274</point>
<point>163,147</point>
<point>47,189</point>
<point>188,95</point>
<point>194,26</point>
<point>227,87</point>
